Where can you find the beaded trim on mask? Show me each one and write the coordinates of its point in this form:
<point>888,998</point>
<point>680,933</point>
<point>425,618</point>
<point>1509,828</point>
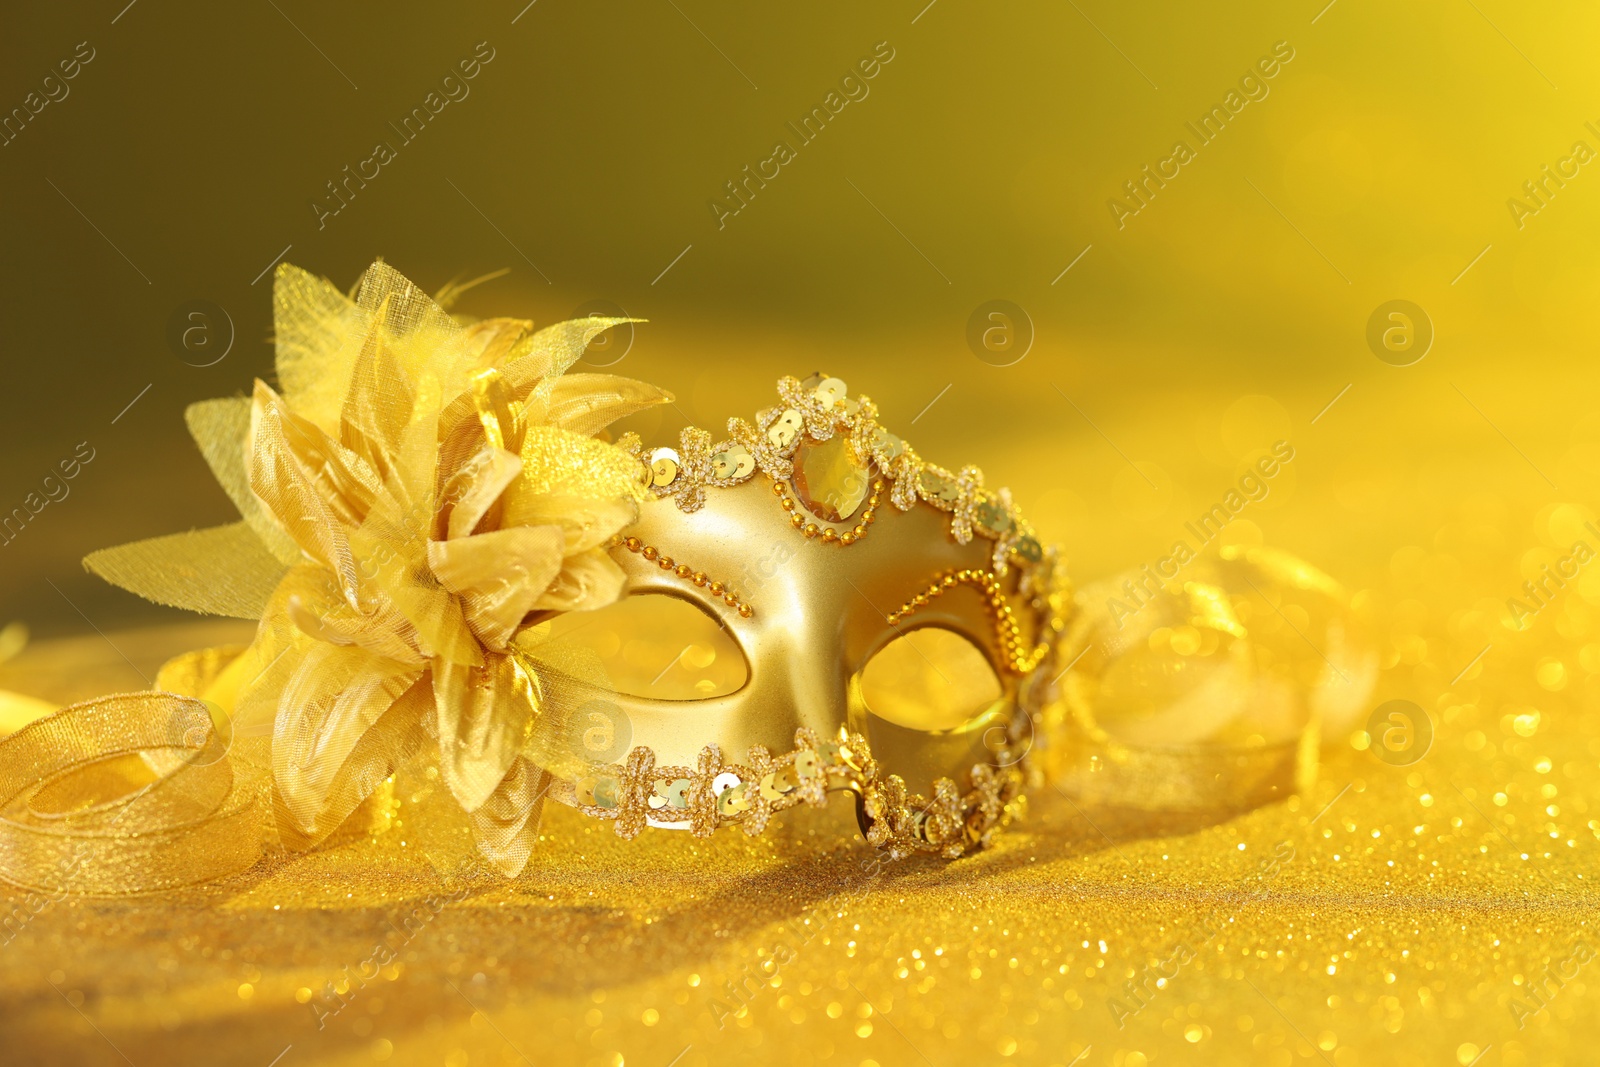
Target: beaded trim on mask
<point>719,793</point>
<point>814,412</point>
<point>1015,655</point>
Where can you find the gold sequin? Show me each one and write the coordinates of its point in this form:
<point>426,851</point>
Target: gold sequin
<point>828,391</point>
<point>732,802</point>
<point>672,794</point>
<point>664,466</point>
<point>938,487</point>
<point>733,463</point>
<point>786,429</point>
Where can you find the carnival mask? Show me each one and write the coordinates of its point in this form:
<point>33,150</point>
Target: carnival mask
<point>862,620</point>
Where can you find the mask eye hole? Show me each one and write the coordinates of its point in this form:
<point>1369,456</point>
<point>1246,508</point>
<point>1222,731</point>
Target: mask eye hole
<point>929,679</point>
<point>648,645</point>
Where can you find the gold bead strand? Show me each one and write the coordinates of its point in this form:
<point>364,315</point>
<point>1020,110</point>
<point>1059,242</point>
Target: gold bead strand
<point>685,572</point>
<point>1007,631</point>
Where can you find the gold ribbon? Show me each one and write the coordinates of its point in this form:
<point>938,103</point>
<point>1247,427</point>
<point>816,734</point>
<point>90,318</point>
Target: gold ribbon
<point>1211,693</point>
<point>126,794</point>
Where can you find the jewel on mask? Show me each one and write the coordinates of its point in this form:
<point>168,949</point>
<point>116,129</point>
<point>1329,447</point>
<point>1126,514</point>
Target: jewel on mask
<point>827,534</point>
<point>830,480</point>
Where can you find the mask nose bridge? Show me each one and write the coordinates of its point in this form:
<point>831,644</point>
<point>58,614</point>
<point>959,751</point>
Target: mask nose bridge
<point>803,618</point>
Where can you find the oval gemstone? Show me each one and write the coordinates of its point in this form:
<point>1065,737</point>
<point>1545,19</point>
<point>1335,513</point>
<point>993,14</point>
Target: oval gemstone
<point>830,480</point>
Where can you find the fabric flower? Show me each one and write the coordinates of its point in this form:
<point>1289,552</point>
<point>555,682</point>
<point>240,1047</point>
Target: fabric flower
<point>429,490</point>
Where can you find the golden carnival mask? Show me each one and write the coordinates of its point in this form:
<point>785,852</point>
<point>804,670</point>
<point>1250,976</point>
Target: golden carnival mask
<point>447,553</point>
<point>879,621</point>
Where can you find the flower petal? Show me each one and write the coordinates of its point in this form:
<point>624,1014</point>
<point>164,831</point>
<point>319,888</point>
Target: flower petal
<point>588,580</point>
<point>469,495</point>
<point>315,329</point>
<point>485,715</point>
<point>506,827</point>
<point>317,489</point>
<point>224,570</point>
<point>490,342</point>
<point>585,521</point>
<point>498,576</point>
<point>562,462</point>
<point>528,362</point>
<point>396,737</point>
<point>406,586</point>
<point>421,333</point>
<point>377,406</point>
<point>334,696</point>
<point>222,430</point>
<point>588,403</point>
<point>548,353</point>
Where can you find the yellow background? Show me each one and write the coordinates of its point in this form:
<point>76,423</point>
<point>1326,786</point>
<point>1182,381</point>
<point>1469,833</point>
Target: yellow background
<point>1225,315</point>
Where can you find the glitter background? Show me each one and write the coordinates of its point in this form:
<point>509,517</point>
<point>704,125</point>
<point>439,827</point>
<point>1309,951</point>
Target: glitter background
<point>1394,914</point>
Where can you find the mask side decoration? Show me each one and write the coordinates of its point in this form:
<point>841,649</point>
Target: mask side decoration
<point>414,495</point>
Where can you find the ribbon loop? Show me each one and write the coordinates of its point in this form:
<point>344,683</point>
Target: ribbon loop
<point>125,794</point>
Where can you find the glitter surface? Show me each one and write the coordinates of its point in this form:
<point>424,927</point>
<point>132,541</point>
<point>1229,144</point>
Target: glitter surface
<point>1421,913</point>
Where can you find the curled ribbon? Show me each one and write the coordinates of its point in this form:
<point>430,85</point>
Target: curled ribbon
<point>126,794</point>
<point>1207,695</point>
